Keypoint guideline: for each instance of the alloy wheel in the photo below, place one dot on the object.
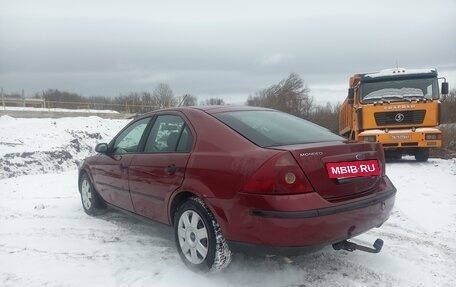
(86, 193)
(193, 237)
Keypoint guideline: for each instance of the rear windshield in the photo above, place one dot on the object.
(272, 128)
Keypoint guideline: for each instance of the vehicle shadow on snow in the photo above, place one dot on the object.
(136, 226)
(322, 268)
(407, 160)
(316, 269)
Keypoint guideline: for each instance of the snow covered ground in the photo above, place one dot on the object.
(47, 240)
(30, 146)
(30, 109)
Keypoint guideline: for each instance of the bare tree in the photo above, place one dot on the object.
(164, 96)
(449, 107)
(189, 100)
(326, 116)
(214, 101)
(290, 95)
(61, 99)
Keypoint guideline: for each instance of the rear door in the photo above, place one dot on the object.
(160, 169)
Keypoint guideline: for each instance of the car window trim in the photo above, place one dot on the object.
(142, 143)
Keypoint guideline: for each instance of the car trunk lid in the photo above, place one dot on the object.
(345, 158)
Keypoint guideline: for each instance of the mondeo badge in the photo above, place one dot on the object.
(399, 117)
(315, 153)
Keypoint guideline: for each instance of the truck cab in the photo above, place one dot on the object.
(396, 107)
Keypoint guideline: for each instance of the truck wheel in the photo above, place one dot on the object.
(199, 240)
(422, 155)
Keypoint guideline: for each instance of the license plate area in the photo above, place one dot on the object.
(348, 169)
(400, 137)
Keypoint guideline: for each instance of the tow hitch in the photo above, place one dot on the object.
(350, 246)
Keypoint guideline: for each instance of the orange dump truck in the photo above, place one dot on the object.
(396, 107)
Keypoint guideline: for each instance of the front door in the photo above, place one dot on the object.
(111, 169)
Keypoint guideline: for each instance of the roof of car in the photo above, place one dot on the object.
(209, 109)
(228, 108)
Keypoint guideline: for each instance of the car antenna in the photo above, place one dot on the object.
(183, 99)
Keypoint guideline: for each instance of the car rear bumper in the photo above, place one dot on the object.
(284, 223)
(327, 210)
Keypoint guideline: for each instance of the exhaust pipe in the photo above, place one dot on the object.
(350, 246)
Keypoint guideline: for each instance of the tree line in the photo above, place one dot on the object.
(135, 102)
(448, 108)
(290, 95)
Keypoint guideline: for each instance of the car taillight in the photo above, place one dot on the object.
(433, 136)
(279, 175)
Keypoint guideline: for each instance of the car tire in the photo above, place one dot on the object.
(92, 203)
(199, 239)
(422, 155)
(397, 156)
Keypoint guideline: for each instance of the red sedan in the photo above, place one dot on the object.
(240, 178)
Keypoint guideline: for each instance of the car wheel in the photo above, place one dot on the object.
(91, 201)
(422, 155)
(397, 155)
(199, 240)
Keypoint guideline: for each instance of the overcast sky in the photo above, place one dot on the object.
(227, 49)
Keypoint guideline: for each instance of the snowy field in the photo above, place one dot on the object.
(30, 109)
(46, 239)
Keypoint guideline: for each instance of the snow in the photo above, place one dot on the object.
(394, 93)
(29, 146)
(46, 239)
(399, 71)
(32, 109)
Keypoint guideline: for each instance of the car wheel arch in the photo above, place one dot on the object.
(180, 197)
(176, 201)
(81, 173)
(85, 171)
(97, 205)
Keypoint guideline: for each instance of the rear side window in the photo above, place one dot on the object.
(169, 134)
(272, 128)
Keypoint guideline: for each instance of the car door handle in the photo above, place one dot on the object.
(171, 169)
(123, 167)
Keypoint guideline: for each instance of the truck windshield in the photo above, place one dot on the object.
(400, 90)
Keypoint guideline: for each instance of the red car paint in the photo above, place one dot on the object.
(220, 168)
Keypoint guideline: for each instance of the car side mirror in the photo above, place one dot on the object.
(102, 148)
(444, 90)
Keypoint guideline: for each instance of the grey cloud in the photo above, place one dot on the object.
(227, 49)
